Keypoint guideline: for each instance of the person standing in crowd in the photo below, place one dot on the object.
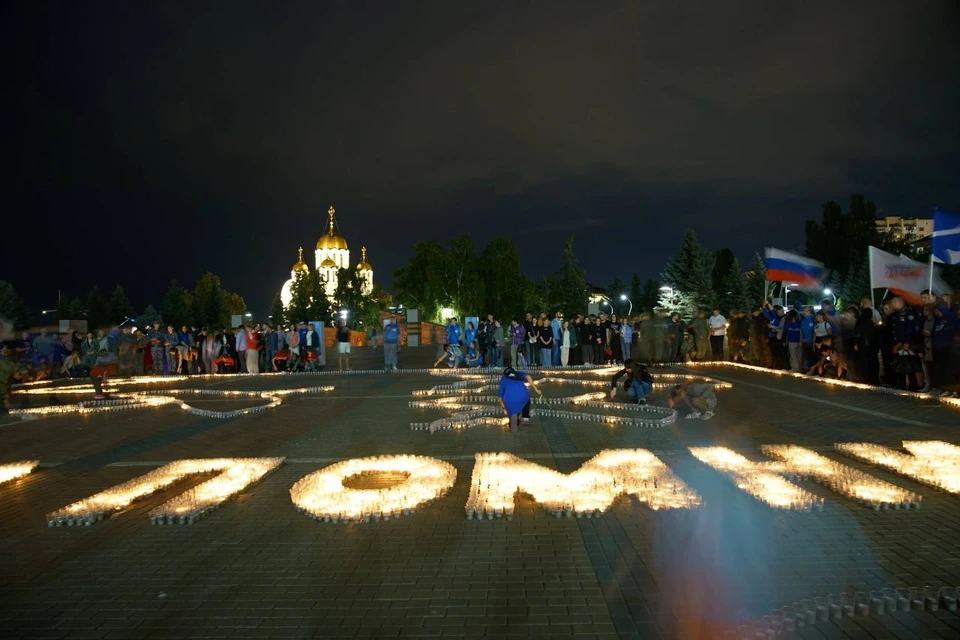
(638, 382)
(391, 344)
(807, 326)
(271, 344)
(139, 350)
(453, 331)
(469, 334)
(545, 338)
(565, 333)
(791, 337)
(518, 337)
(944, 339)
(843, 348)
(484, 331)
(293, 340)
(700, 397)
(253, 350)
(186, 342)
(372, 336)
(343, 345)
(600, 333)
(45, 346)
(515, 397)
(718, 329)
(615, 340)
(555, 327)
(626, 339)
(311, 341)
(530, 335)
(496, 343)
(170, 343)
(210, 351)
(241, 348)
(155, 340)
(866, 345)
(701, 334)
(587, 341)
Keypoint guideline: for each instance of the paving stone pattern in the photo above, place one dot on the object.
(258, 568)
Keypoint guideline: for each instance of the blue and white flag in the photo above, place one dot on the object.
(945, 241)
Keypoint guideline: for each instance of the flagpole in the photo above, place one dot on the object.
(873, 293)
(930, 275)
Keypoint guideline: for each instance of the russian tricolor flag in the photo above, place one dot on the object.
(789, 267)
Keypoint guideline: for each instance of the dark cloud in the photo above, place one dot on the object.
(239, 123)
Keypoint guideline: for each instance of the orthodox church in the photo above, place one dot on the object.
(330, 255)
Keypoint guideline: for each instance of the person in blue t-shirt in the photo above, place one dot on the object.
(807, 324)
(469, 334)
(453, 332)
(515, 397)
(791, 336)
(473, 357)
(391, 345)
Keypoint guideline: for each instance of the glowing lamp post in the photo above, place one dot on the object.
(623, 296)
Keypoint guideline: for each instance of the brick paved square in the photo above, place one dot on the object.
(258, 568)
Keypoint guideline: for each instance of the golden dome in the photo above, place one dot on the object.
(328, 264)
(300, 265)
(364, 265)
(331, 240)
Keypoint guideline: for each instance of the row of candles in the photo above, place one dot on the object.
(235, 474)
(587, 492)
(14, 470)
(836, 606)
(932, 462)
(323, 496)
(496, 479)
(161, 398)
(952, 402)
(765, 481)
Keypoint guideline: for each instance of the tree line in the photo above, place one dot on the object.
(207, 303)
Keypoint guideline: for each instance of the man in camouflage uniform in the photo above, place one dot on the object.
(155, 340)
(701, 335)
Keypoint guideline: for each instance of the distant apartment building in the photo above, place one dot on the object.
(907, 229)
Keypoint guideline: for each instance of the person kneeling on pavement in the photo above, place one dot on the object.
(699, 396)
(638, 382)
(515, 397)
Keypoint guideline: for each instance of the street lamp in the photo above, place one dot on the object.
(248, 314)
(46, 311)
(623, 296)
(828, 292)
(666, 289)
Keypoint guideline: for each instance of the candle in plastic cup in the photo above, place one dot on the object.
(876, 603)
(836, 602)
(847, 604)
(789, 622)
(916, 598)
(889, 600)
(863, 603)
(931, 598)
(948, 596)
(903, 599)
(823, 611)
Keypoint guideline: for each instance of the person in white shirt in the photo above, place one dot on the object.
(718, 329)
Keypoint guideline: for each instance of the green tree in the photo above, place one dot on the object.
(76, 310)
(148, 317)
(736, 297)
(209, 303)
(756, 280)
(690, 273)
(839, 239)
(650, 295)
(178, 307)
(437, 277)
(297, 310)
(857, 283)
(568, 287)
(12, 306)
(723, 260)
(276, 312)
(235, 304)
(98, 309)
(505, 286)
(120, 307)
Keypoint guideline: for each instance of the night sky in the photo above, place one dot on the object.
(152, 141)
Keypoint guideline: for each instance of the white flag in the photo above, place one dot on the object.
(901, 274)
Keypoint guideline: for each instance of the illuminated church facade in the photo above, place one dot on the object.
(331, 254)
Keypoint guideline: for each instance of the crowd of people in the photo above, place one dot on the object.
(902, 346)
